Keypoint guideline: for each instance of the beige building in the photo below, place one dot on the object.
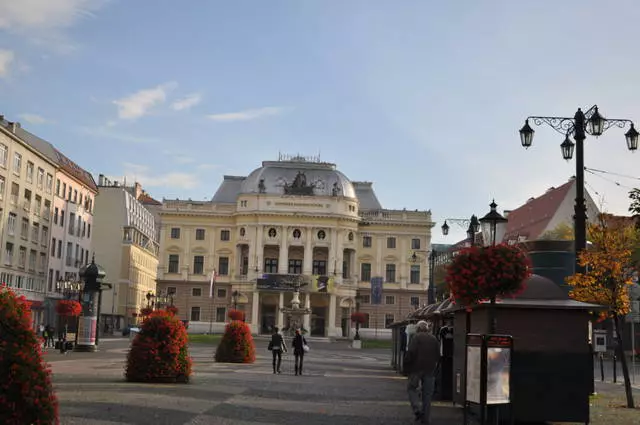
(293, 219)
(26, 197)
(127, 248)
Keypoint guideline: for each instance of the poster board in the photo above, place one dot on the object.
(474, 363)
(498, 369)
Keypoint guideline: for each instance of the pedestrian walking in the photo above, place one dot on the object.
(421, 361)
(50, 336)
(300, 347)
(277, 346)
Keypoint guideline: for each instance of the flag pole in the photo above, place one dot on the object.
(213, 279)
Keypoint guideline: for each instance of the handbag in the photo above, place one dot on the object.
(270, 347)
(305, 348)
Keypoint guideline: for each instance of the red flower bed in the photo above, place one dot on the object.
(172, 310)
(159, 352)
(236, 315)
(358, 317)
(479, 273)
(236, 345)
(26, 392)
(146, 311)
(70, 308)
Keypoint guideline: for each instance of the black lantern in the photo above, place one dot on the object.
(596, 123)
(567, 148)
(494, 226)
(632, 138)
(474, 225)
(526, 134)
(445, 228)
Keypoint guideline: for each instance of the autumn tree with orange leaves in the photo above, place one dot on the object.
(609, 266)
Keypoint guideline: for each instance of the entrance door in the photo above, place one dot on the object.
(268, 321)
(318, 321)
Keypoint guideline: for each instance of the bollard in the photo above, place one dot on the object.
(615, 369)
(601, 367)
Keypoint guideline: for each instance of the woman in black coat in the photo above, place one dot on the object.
(299, 343)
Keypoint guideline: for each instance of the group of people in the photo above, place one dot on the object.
(277, 346)
(47, 333)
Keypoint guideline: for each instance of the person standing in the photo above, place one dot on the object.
(422, 359)
(277, 346)
(299, 344)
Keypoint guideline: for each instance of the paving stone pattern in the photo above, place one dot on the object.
(340, 386)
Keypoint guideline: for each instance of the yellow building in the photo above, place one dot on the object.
(126, 247)
(292, 219)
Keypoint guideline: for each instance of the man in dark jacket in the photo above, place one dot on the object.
(277, 346)
(422, 361)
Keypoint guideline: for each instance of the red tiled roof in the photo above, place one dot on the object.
(532, 218)
(146, 199)
(76, 171)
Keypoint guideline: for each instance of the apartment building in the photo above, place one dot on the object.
(128, 252)
(26, 199)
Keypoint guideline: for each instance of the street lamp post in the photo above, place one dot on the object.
(234, 296)
(582, 123)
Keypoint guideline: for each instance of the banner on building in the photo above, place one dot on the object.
(376, 290)
(281, 282)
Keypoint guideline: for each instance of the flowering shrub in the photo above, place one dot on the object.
(71, 308)
(146, 311)
(358, 317)
(172, 310)
(26, 392)
(236, 315)
(481, 273)
(237, 344)
(159, 352)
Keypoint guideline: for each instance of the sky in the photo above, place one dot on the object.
(423, 98)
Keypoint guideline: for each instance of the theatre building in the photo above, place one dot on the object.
(295, 221)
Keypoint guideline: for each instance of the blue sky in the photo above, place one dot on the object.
(423, 98)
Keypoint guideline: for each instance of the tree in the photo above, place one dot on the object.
(562, 232)
(439, 277)
(634, 207)
(609, 263)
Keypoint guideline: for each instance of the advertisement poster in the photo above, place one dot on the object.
(474, 360)
(87, 330)
(498, 368)
(376, 290)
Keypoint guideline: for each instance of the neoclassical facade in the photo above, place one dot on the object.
(292, 220)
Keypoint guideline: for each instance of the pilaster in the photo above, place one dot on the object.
(280, 315)
(331, 326)
(306, 321)
(283, 261)
(307, 265)
(255, 322)
(378, 271)
(405, 267)
(259, 251)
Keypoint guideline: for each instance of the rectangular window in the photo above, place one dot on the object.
(222, 293)
(221, 314)
(8, 254)
(1, 188)
(199, 234)
(15, 192)
(32, 260)
(59, 249)
(46, 213)
(366, 299)
(171, 290)
(45, 236)
(415, 243)
(414, 276)
(195, 314)
(196, 292)
(389, 300)
(24, 230)
(388, 320)
(22, 257)
(225, 235)
(37, 205)
(64, 190)
(366, 241)
(27, 200)
(391, 243)
(365, 272)
(55, 215)
(49, 183)
(271, 265)
(53, 247)
(88, 230)
(40, 181)
(415, 302)
(390, 273)
(35, 233)
(295, 266)
(72, 223)
(75, 196)
(223, 266)
(17, 163)
(29, 174)
(198, 264)
(61, 218)
(58, 187)
(174, 263)
(175, 233)
(11, 224)
(3, 155)
(320, 267)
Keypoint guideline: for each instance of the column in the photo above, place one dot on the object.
(258, 252)
(280, 315)
(255, 322)
(332, 266)
(331, 327)
(186, 261)
(307, 264)
(306, 321)
(283, 261)
(378, 270)
(405, 267)
(339, 256)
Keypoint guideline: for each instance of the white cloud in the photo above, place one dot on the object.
(187, 102)
(44, 21)
(204, 167)
(6, 59)
(108, 133)
(34, 119)
(143, 175)
(141, 102)
(247, 114)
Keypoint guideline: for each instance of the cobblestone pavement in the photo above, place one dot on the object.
(340, 386)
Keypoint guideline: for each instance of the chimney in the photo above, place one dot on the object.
(137, 190)
(101, 180)
(14, 126)
(506, 213)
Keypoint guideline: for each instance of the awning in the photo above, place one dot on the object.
(432, 309)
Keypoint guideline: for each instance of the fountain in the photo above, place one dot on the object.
(295, 313)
